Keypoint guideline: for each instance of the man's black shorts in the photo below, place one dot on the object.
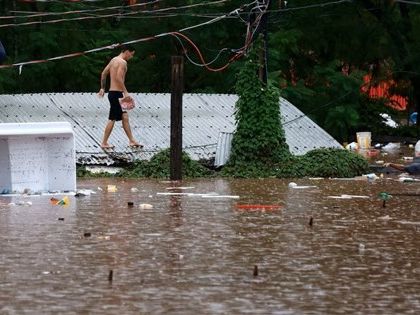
(115, 112)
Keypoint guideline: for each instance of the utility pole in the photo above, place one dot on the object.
(177, 89)
(263, 74)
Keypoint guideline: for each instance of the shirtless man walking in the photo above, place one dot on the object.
(117, 68)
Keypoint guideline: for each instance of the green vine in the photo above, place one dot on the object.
(259, 147)
(259, 141)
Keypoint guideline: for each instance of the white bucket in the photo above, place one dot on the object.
(364, 140)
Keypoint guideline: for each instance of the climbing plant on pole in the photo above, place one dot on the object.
(259, 141)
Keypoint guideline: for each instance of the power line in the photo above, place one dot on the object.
(311, 6)
(110, 15)
(112, 46)
(408, 2)
(77, 11)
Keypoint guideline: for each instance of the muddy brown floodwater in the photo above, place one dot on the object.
(191, 254)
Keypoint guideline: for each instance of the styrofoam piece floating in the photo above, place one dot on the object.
(37, 156)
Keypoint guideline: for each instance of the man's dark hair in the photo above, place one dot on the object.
(127, 47)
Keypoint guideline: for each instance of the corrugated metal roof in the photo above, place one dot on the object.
(205, 117)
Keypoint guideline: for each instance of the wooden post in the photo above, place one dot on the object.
(177, 89)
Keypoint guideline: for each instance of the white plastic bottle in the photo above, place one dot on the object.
(417, 149)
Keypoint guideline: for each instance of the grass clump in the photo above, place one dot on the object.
(159, 167)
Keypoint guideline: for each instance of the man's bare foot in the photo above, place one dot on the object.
(134, 144)
(107, 146)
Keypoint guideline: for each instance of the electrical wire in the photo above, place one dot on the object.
(196, 63)
(112, 46)
(318, 108)
(177, 35)
(77, 11)
(311, 6)
(408, 2)
(110, 15)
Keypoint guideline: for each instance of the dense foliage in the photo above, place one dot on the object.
(259, 135)
(159, 167)
(259, 147)
(324, 163)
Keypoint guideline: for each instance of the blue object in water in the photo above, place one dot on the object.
(413, 118)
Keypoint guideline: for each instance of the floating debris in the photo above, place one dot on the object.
(295, 186)
(84, 192)
(20, 203)
(384, 197)
(311, 221)
(181, 188)
(112, 188)
(104, 237)
(60, 202)
(408, 179)
(255, 273)
(251, 207)
(344, 196)
(220, 196)
(145, 206)
(204, 195)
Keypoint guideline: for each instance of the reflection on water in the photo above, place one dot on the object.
(194, 255)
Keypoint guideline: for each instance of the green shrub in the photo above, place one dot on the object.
(329, 162)
(82, 172)
(159, 167)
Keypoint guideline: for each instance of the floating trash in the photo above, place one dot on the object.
(391, 146)
(220, 196)
(134, 190)
(256, 207)
(181, 188)
(172, 194)
(145, 206)
(408, 179)
(84, 192)
(104, 237)
(384, 197)
(20, 203)
(295, 186)
(60, 202)
(112, 188)
(348, 197)
(352, 146)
